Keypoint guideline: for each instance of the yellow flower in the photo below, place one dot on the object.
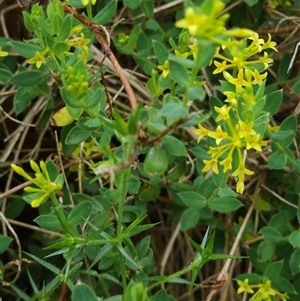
(164, 68)
(244, 287)
(246, 129)
(258, 78)
(270, 44)
(266, 290)
(256, 41)
(223, 112)
(201, 131)
(86, 2)
(265, 60)
(240, 174)
(239, 81)
(227, 162)
(218, 135)
(3, 53)
(182, 55)
(253, 142)
(191, 21)
(221, 66)
(38, 59)
(211, 164)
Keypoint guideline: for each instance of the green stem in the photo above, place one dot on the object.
(61, 217)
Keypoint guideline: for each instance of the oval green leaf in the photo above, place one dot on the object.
(80, 213)
(192, 199)
(225, 205)
(48, 222)
(189, 219)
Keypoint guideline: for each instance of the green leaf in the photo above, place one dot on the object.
(160, 51)
(80, 213)
(279, 221)
(273, 102)
(290, 123)
(25, 50)
(162, 296)
(156, 161)
(284, 285)
(44, 263)
(130, 262)
(296, 87)
(103, 251)
(134, 35)
(105, 14)
(178, 73)
(61, 47)
(48, 221)
(192, 199)
(277, 160)
(4, 243)
(77, 135)
(294, 239)
(297, 165)
(132, 3)
(23, 96)
(189, 218)
(5, 75)
(273, 270)
(174, 146)
(250, 2)
(206, 53)
(172, 108)
(149, 193)
(224, 205)
(265, 251)
(271, 234)
(28, 78)
(196, 93)
(295, 262)
(14, 208)
(83, 292)
(66, 27)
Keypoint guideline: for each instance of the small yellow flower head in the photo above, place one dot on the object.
(218, 135)
(211, 164)
(240, 174)
(254, 142)
(246, 129)
(244, 287)
(38, 59)
(87, 2)
(164, 68)
(201, 131)
(190, 21)
(266, 290)
(270, 44)
(223, 113)
(227, 163)
(182, 55)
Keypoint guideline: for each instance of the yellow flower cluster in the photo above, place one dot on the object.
(264, 292)
(235, 134)
(44, 186)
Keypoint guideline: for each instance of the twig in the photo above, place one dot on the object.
(171, 127)
(169, 249)
(19, 261)
(98, 30)
(279, 197)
